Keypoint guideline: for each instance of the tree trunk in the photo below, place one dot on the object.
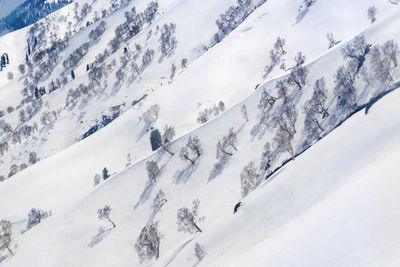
(113, 224)
(168, 151)
(197, 228)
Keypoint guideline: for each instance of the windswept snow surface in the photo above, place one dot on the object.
(335, 205)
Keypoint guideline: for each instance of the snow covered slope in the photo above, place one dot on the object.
(324, 208)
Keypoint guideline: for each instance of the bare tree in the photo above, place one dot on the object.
(192, 150)
(279, 46)
(249, 179)
(298, 74)
(10, 75)
(372, 11)
(317, 103)
(152, 171)
(148, 243)
(227, 145)
(21, 68)
(274, 58)
(391, 51)
(36, 216)
(159, 201)
(184, 63)
(243, 109)
(344, 89)
(266, 100)
(355, 53)
(283, 140)
(187, 219)
(151, 115)
(6, 235)
(169, 133)
(282, 90)
(147, 57)
(266, 158)
(199, 251)
(97, 179)
(331, 39)
(316, 110)
(104, 213)
(381, 64)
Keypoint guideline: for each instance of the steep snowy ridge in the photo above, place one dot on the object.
(334, 205)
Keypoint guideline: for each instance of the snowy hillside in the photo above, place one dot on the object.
(220, 133)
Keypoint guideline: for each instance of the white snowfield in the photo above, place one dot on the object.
(336, 204)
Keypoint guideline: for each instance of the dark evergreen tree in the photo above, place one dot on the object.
(72, 75)
(105, 173)
(155, 139)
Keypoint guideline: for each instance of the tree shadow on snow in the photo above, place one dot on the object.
(184, 175)
(145, 194)
(217, 170)
(101, 234)
(177, 251)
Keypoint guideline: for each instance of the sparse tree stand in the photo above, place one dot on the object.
(104, 213)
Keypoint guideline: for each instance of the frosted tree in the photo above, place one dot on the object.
(6, 235)
(152, 171)
(274, 58)
(10, 75)
(159, 201)
(331, 39)
(227, 145)
(168, 135)
(243, 110)
(192, 150)
(148, 243)
(151, 115)
(147, 57)
(173, 71)
(104, 213)
(391, 51)
(184, 63)
(344, 89)
(97, 179)
(355, 53)
(279, 46)
(21, 68)
(267, 101)
(199, 251)
(316, 110)
(381, 64)
(249, 179)
(187, 220)
(372, 12)
(266, 158)
(284, 139)
(36, 216)
(298, 74)
(283, 90)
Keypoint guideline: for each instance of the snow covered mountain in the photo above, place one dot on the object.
(209, 133)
